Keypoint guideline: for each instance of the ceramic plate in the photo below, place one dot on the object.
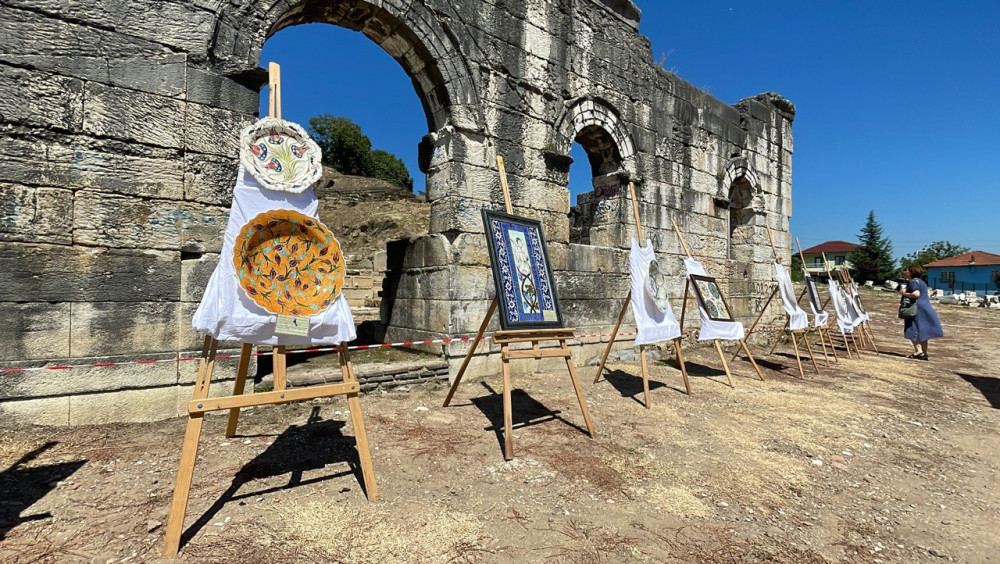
(656, 286)
(280, 155)
(288, 263)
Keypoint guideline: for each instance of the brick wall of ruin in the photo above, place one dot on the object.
(118, 129)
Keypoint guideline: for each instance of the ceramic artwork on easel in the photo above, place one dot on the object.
(714, 330)
(277, 283)
(523, 280)
(796, 320)
(650, 303)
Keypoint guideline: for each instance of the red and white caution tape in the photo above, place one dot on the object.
(194, 355)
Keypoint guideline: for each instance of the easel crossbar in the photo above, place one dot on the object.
(266, 398)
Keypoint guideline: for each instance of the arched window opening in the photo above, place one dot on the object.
(369, 114)
(590, 222)
(741, 220)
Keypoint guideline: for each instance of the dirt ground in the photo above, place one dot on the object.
(881, 459)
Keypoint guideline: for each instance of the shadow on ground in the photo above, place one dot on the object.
(299, 449)
(21, 487)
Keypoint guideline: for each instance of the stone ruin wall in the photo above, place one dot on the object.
(118, 127)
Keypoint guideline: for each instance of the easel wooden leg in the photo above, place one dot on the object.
(829, 338)
(871, 337)
(645, 375)
(614, 335)
(746, 349)
(826, 357)
(238, 387)
(189, 452)
(847, 345)
(809, 349)
(358, 422)
(722, 356)
(578, 389)
(798, 360)
(472, 350)
(755, 321)
(280, 368)
(680, 361)
(508, 416)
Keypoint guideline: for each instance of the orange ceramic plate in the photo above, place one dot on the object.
(288, 263)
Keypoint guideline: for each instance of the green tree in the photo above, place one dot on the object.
(386, 166)
(348, 150)
(344, 146)
(935, 251)
(796, 269)
(873, 260)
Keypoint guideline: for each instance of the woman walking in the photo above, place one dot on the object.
(925, 325)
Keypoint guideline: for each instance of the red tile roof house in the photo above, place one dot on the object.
(836, 255)
(976, 271)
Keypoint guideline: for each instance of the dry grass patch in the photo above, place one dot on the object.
(374, 533)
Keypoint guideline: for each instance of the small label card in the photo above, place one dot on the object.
(549, 315)
(291, 325)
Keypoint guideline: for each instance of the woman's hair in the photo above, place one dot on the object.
(916, 271)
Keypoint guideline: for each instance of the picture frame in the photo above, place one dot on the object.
(813, 293)
(711, 298)
(522, 272)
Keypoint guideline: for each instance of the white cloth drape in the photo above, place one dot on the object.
(845, 320)
(797, 317)
(852, 291)
(821, 317)
(725, 330)
(227, 314)
(651, 324)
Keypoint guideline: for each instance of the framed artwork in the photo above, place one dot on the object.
(813, 294)
(522, 273)
(711, 297)
(857, 303)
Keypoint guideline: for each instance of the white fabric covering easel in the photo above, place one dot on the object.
(228, 314)
(710, 328)
(652, 324)
(797, 317)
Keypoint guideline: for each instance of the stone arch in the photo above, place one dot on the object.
(741, 192)
(595, 124)
(598, 128)
(411, 34)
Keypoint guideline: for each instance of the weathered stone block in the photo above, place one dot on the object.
(41, 99)
(44, 383)
(73, 49)
(52, 273)
(41, 411)
(129, 115)
(124, 406)
(209, 179)
(35, 215)
(111, 328)
(35, 331)
(195, 273)
(213, 131)
(122, 221)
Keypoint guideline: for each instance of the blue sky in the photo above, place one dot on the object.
(898, 103)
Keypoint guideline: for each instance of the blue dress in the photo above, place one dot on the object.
(926, 325)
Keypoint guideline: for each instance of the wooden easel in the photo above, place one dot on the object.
(866, 331)
(642, 348)
(822, 330)
(507, 338)
(200, 402)
(718, 347)
(848, 338)
(786, 330)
